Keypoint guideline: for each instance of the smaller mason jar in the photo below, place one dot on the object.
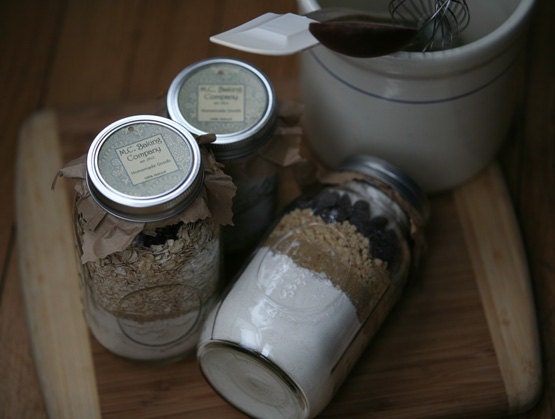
(235, 101)
(318, 287)
(146, 301)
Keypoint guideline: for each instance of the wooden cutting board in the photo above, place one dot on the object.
(462, 341)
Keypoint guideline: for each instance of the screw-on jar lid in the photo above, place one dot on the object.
(392, 176)
(144, 168)
(226, 97)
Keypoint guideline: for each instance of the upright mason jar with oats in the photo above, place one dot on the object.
(286, 334)
(235, 101)
(149, 275)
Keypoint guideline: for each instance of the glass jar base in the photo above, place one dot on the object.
(251, 382)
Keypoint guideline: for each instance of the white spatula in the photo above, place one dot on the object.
(342, 30)
(270, 34)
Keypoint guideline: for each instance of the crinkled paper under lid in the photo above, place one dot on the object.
(281, 150)
(105, 233)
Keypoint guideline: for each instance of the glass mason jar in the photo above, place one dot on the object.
(147, 300)
(288, 331)
(235, 101)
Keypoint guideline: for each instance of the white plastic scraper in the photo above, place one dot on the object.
(270, 34)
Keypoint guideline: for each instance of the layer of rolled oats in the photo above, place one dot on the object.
(164, 280)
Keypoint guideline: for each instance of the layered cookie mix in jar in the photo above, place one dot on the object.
(149, 205)
(316, 290)
(256, 137)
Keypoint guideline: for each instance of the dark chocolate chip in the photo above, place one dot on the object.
(361, 211)
(384, 245)
(162, 234)
(344, 208)
(329, 215)
(326, 199)
(379, 221)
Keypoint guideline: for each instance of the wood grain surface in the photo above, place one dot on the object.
(463, 340)
(62, 55)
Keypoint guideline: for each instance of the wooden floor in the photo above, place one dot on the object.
(65, 54)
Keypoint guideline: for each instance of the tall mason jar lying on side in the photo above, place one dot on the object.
(150, 271)
(235, 101)
(316, 290)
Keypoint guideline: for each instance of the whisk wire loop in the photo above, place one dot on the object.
(439, 21)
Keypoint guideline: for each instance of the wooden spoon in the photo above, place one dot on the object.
(363, 39)
(359, 34)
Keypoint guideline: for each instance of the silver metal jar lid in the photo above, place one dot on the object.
(144, 168)
(226, 97)
(391, 175)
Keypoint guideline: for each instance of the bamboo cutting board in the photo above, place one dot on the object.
(463, 340)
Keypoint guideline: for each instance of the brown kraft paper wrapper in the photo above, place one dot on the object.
(282, 150)
(105, 233)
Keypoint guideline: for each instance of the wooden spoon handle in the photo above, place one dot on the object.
(59, 335)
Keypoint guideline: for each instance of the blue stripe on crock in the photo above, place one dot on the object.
(410, 102)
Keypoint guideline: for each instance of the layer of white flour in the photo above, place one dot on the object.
(291, 315)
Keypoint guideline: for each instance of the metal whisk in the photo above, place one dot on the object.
(440, 22)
